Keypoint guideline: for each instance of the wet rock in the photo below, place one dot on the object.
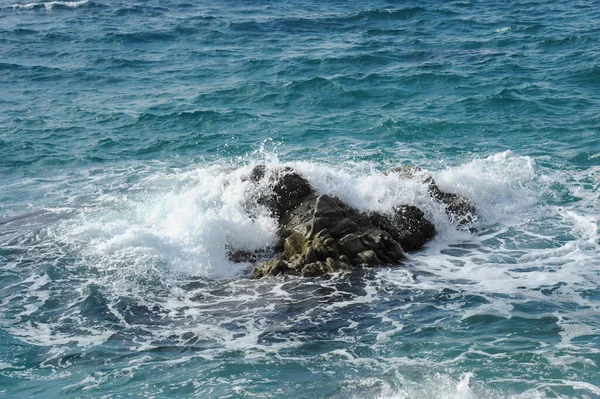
(369, 257)
(287, 188)
(324, 235)
(272, 267)
(407, 225)
(321, 234)
(240, 255)
(352, 243)
(257, 173)
(458, 207)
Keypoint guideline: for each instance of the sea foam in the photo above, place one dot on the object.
(49, 5)
(187, 220)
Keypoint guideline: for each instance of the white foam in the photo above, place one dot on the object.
(385, 336)
(8, 366)
(503, 30)
(89, 382)
(501, 186)
(193, 215)
(44, 334)
(584, 226)
(183, 220)
(49, 5)
(186, 226)
(441, 385)
(523, 244)
(583, 386)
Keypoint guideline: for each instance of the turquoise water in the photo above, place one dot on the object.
(126, 128)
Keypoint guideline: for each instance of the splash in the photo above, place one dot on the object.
(185, 220)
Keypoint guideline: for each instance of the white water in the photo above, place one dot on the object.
(49, 5)
(184, 221)
(171, 225)
(466, 386)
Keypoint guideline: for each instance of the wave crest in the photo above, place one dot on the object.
(49, 5)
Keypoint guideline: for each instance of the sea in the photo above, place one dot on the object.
(127, 130)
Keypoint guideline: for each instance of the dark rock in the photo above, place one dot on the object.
(272, 267)
(324, 235)
(457, 206)
(321, 234)
(239, 256)
(287, 188)
(369, 257)
(407, 225)
(352, 243)
(257, 173)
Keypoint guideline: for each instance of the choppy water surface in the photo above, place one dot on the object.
(126, 130)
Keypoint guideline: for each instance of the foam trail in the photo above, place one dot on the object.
(584, 226)
(442, 386)
(49, 5)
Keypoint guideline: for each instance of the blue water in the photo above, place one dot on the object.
(126, 130)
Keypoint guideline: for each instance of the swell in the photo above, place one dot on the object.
(337, 22)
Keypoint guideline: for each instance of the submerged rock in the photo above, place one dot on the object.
(321, 234)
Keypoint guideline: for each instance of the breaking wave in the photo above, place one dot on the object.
(142, 265)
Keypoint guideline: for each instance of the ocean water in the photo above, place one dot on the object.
(126, 128)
